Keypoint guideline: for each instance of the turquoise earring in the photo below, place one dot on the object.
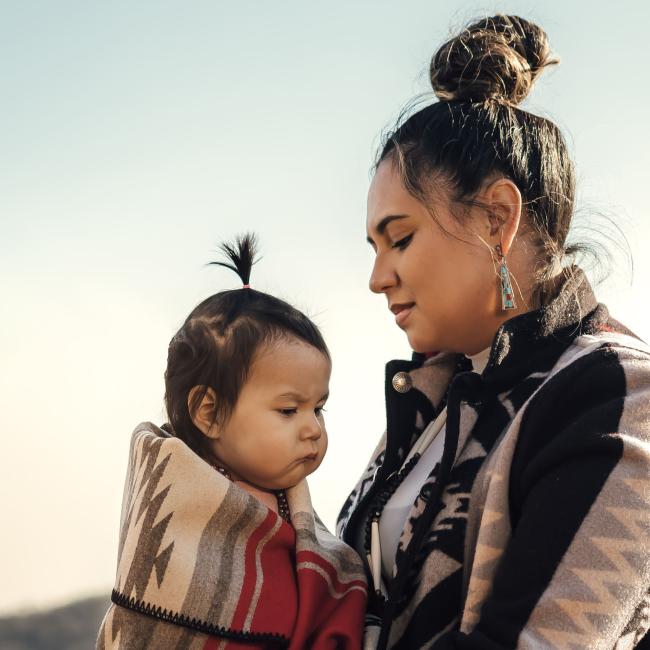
(507, 295)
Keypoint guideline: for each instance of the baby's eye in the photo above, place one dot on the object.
(319, 410)
(288, 411)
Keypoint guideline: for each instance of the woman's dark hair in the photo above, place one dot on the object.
(218, 342)
(477, 133)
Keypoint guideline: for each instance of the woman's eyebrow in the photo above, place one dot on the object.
(383, 224)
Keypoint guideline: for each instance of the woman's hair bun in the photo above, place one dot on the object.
(494, 58)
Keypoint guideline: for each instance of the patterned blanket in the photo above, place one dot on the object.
(202, 564)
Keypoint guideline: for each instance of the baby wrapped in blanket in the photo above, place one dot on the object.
(219, 544)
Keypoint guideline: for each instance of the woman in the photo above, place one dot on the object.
(508, 504)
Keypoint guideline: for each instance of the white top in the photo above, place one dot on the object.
(480, 360)
(394, 517)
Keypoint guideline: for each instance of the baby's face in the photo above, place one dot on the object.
(276, 435)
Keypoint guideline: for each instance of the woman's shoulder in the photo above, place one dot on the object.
(610, 353)
(609, 365)
(595, 400)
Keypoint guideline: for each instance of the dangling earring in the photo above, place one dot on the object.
(507, 295)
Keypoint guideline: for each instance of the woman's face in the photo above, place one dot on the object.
(442, 288)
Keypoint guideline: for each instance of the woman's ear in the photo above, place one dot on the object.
(503, 200)
(204, 412)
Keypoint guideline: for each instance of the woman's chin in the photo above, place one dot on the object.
(420, 344)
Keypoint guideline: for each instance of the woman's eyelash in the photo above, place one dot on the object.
(403, 243)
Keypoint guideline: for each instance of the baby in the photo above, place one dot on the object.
(219, 544)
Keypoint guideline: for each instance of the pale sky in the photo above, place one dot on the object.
(137, 135)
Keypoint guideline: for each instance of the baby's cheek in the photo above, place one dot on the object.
(324, 442)
(272, 454)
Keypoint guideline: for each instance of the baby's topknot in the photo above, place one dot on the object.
(496, 58)
(218, 343)
(241, 255)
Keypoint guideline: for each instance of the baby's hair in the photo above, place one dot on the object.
(241, 255)
(218, 343)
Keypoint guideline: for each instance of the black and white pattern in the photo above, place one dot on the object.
(534, 530)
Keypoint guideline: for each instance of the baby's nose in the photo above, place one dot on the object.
(312, 429)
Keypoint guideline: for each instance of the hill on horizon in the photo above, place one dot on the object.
(70, 627)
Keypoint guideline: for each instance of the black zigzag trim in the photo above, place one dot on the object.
(277, 640)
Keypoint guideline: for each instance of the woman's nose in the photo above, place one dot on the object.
(382, 277)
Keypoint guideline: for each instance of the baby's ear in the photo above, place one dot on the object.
(202, 405)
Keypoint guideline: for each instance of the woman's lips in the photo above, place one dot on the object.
(402, 312)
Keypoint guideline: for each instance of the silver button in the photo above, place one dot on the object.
(402, 382)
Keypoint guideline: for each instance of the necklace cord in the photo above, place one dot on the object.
(392, 483)
(280, 495)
